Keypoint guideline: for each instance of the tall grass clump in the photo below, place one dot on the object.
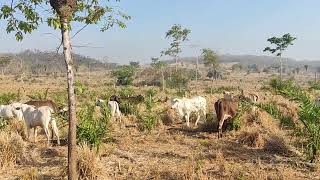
(11, 149)
(89, 165)
(92, 129)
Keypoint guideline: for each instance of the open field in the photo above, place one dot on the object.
(261, 149)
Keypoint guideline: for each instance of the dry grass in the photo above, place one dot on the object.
(89, 166)
(174, 152)
(277, 145)
(31, 174)
(12, 148)
(252, 138)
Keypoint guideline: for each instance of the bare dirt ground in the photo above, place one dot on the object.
(175, 151)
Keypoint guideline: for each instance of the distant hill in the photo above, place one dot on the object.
(262, 61)
(48, 62)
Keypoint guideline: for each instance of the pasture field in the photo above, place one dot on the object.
(155, 143)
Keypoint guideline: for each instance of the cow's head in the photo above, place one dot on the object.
(99, 102)
(227, 95)
(174, 103)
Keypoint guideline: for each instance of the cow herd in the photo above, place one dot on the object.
(41, 113)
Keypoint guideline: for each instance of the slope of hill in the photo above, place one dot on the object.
(38, 62)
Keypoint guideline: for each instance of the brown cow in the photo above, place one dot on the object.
(225, 108)
(40, 103)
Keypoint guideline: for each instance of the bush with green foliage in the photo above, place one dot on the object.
(7, 98)
(92, 129)
(124, 75)
(149, 121)
(149, 100)
(180, 80)
(39, 95)
(309, 113)
(126, 92)
(80, 88)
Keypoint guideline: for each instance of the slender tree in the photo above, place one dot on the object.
(25, 16)
(210, 59)
(306, 67)
(4, 62)
(178, 34)
(159, 66)
(281, 44)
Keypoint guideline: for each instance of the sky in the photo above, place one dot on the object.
(236, 27)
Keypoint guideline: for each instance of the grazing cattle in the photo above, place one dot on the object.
(225, 108)
(250, 97)
(228, 95)
(113, 106)
(38, 117)
(186, 106)
(8, 112)
(114, 98)
(131, 99)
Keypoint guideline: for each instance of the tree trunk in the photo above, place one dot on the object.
(197, 74)
(176, 63)
(72, 146)
(163, 83)
(280, 68)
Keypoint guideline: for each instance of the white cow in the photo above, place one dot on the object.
(113, 106)
(35, 117)
(8, 111)
(186, 106)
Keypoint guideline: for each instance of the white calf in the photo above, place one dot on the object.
(186, 106)
(113, 106)
(38, 117)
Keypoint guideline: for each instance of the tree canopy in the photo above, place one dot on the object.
(24, 16)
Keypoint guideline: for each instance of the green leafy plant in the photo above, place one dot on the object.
(149, 121)
(92, 129)
(7, 98)
(40, 95)
(124, 75)
(80, 88)
(309, 114)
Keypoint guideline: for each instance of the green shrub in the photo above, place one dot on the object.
(39, 95)
(92, 129)
(124, 75)
(80, 88)
(8, 98)
(126, 92)
(149, 122)
(314, 85)
(128, 108)
(309, 114)
(149, 100)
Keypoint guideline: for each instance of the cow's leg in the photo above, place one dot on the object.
(47, 134)
(55, 130)
(187, 116)
(28, 133)
(220, 126)
(198, 118)
(35, 134)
